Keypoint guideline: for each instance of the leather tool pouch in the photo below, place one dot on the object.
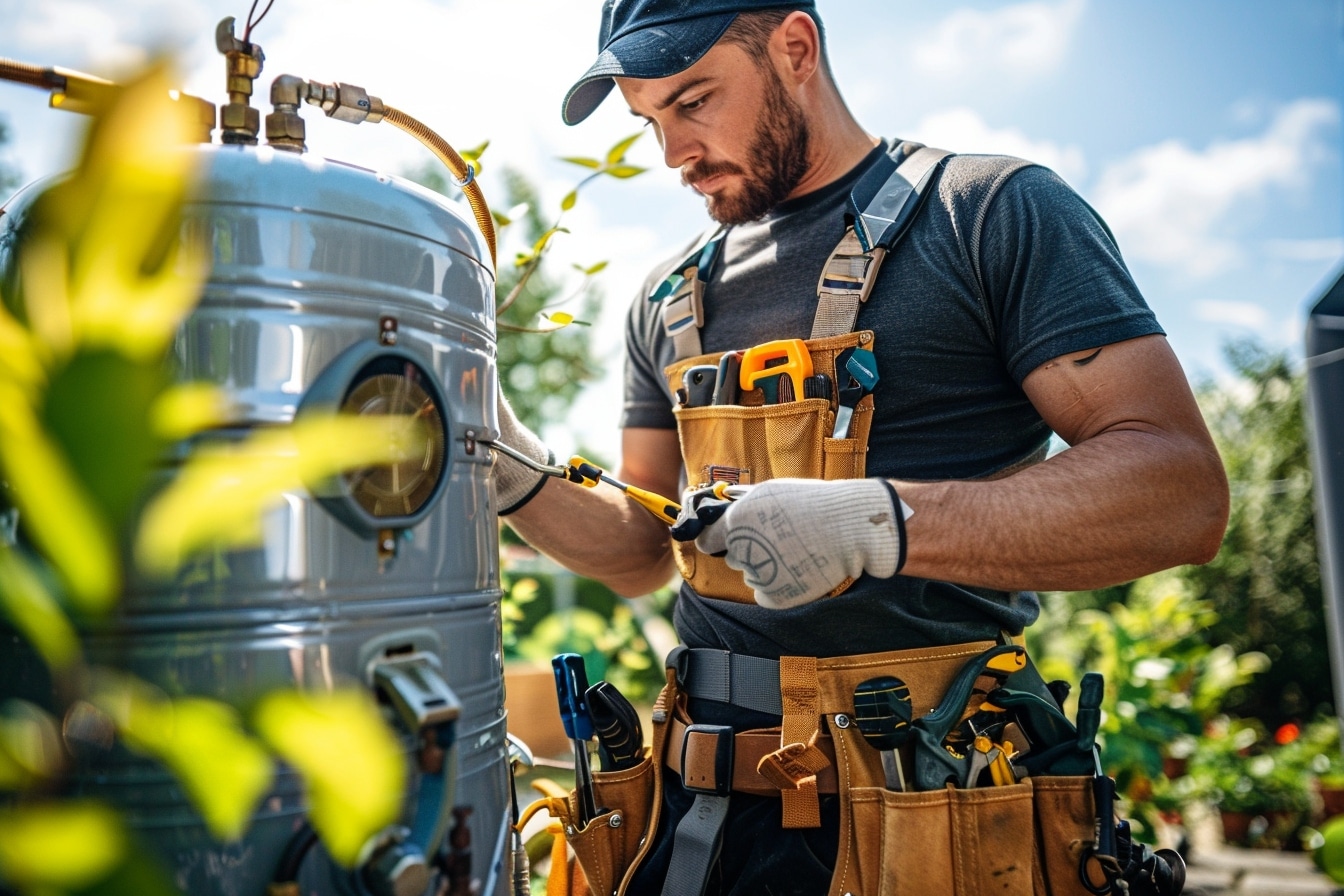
(1024, 839)
(608, 849)
(751, 443)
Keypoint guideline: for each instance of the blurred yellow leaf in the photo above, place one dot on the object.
(223, 771)
(568, 202)
(349, 758)
(59, 847)
(20, 361)
(105, 267)
(184, 410)
(33, 610)
(55, 508)
(545, 238)
(591, 270)
(30, 745)
(582, 162)
(220, 494)
(624, 171)
(501, 219)
(560, 319)
(617, 152)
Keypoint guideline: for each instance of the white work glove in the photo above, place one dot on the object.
(796, 540)
(516, 484)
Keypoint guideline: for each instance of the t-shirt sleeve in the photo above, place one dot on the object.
(1053, 275)
(647, 404)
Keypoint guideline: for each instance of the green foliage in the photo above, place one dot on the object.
(548, 611)
(1265, 583)
(1164, 681)
(1239, 768)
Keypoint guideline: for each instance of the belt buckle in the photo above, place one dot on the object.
(707, 759)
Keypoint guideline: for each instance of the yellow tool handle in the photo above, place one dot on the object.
(659, 506)
(586, 473)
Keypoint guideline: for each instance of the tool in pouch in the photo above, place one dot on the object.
(571, 690)
(1114, 864)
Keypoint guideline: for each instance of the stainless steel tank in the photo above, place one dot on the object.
(1325, 389)
(330, 285)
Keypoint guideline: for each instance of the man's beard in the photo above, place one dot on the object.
(778, 154)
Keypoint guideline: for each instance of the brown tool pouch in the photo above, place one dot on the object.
(607, 845)
(1024, 839)
(609, 848)
(755, 442)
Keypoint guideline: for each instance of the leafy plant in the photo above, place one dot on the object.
(1164, 681)
(1240, 769)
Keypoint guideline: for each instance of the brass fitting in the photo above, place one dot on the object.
(238, 121)
(346, 102)
(284, 127)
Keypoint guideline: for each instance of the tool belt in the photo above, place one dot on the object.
(754, 442)
(1036, 837)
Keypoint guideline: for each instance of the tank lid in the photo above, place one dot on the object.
(263, 176)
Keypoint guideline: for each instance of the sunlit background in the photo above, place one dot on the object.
(1206, 132)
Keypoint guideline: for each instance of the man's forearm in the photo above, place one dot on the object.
(1121, 505)
(598, 533)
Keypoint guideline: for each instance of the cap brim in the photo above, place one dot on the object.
(657, 52)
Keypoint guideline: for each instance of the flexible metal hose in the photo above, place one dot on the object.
(456, 165)
(32, 75)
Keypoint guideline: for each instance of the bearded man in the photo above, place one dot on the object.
(1004, 313)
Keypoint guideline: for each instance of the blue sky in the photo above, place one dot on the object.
(1206, 132)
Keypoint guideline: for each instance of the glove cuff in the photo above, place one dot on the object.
(516, 484)
(898, 506)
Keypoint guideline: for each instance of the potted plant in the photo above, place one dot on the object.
(1316, 749)
(1259, 788)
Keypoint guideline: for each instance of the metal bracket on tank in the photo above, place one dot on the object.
(411, 683)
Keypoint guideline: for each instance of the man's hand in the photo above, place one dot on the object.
(516, 484)
(796, 540)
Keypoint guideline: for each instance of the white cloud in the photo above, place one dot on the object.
(1238, 314)
(963, 130)
(1307, 250)
(1178, 207)
(1024, 39)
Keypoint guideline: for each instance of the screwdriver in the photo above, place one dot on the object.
(583, 472)
(571, 688)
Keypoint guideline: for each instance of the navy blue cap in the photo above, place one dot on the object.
(656, 39)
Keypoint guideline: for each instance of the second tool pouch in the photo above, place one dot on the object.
(756, 442)
(1022, 839)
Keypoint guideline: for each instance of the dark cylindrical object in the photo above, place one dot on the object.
(1325, 387)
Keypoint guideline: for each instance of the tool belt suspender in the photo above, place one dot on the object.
(882, 206)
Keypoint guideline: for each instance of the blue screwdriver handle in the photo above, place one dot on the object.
(571, 689)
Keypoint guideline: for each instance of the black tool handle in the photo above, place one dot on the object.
(620, 736)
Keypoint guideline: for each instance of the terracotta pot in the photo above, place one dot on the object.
(1236, 826)
(1174, 766)
(1332, 800)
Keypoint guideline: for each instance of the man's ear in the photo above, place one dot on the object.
(796, 44)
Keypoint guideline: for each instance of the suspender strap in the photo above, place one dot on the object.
(683, 294)
(881, 207)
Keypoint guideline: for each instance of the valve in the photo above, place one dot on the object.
(239, 123)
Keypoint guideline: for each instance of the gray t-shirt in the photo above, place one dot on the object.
(958, 328)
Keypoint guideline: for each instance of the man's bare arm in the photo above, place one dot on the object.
(1140, 489)
(600, 533)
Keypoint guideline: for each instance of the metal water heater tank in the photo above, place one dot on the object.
(331, 287)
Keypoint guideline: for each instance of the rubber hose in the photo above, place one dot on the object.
(456, 165)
